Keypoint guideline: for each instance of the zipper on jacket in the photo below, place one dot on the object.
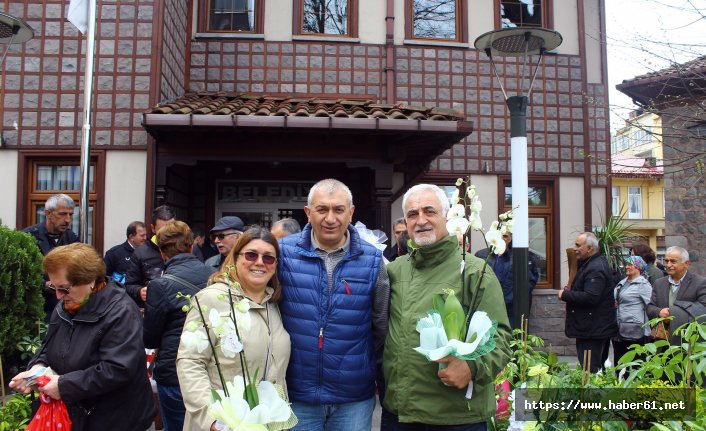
(321, 338)
(348, 289)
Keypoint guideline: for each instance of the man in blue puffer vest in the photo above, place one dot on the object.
(335, 296)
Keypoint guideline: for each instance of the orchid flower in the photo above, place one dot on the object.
(195, 340)
(475, 221)
(456, 211)
(457, 225)
(495, 240)
(236, 414)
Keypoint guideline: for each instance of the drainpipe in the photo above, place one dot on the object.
(390, 53)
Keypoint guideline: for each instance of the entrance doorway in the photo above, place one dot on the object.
(262, 203)
(263, 214)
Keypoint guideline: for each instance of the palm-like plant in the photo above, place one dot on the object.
(611, 234)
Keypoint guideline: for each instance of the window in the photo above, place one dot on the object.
(615, 201)
(234, 16)
(613, 145)
(642, 136)
(48, 178)
(326, 17)
(523, 13)
(541, 245)
(435, 19)
(634, 202)
(623, 142)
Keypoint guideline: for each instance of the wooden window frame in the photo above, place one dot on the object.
(461, 23)
(550, 213)
(547, 14)
(298, 21)
(204, 8)
(28, 163)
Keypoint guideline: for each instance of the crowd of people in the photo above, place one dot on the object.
(331, 319)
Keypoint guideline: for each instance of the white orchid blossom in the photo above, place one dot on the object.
(471, 191)
(242, 315)
(231, 345)
(195, 340)
(475, 221)
(476, 205)
(495, 240)
(234, 412)
(458, 225)
(455, 198)
(456, 211)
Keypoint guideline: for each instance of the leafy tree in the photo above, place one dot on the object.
(21, 303)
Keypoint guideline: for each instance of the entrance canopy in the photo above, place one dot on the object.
(281, 128)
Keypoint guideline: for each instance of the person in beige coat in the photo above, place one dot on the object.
(251, 263)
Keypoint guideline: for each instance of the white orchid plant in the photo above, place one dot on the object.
(243, 404)
(447, 329)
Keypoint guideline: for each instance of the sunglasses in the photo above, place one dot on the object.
(223, 235)
(64, 290)
(251, 256)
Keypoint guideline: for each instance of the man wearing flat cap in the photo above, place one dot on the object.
(224, 235)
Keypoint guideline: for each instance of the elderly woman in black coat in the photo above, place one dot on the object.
(93, 347)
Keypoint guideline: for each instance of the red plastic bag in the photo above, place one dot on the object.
(52, 415)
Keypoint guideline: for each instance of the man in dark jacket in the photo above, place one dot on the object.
(502, 266)
(53, 232)
(164, 317)
(590, 307)
(146, 263)
(335, 295)
(224, 235)
(117, 259)
(392, 251)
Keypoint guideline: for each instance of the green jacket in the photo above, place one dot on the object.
(414, 391)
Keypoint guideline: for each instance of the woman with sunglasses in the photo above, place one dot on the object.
(248, 273)
(93, 347)
(632, 294)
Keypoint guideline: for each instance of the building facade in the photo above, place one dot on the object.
(238, 107)
(637, 173)
(677, 94)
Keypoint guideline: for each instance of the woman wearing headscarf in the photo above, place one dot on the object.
(632, 294)
(93, 346)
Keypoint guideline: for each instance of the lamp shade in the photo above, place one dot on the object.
(14, 30)
(515, 41)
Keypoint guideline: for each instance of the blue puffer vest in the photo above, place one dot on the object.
(333, 353)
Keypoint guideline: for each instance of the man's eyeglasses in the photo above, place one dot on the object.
(251, 256)
(64, 290)
(220, 236)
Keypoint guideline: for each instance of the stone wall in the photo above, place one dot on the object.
(684, 183)
(547, 321)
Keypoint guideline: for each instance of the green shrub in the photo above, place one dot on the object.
(15, 414)
(21, 300)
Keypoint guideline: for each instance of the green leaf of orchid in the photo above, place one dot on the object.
(215, 396)
(451, 326)
(438, 303)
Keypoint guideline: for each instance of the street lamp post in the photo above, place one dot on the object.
(513, 42)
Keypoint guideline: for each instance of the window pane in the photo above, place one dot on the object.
(41, 218)
(634, 202)
(325, 16)
(61, 178)
(232, 15)
(615, 203)
(538, 245)
(536, 196)
(434, 18)
(521, 13)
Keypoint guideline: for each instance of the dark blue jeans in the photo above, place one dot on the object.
(390, 422)
(171, 406)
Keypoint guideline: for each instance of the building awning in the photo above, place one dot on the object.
(674, 85)
(636, 167)
(408, 136)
